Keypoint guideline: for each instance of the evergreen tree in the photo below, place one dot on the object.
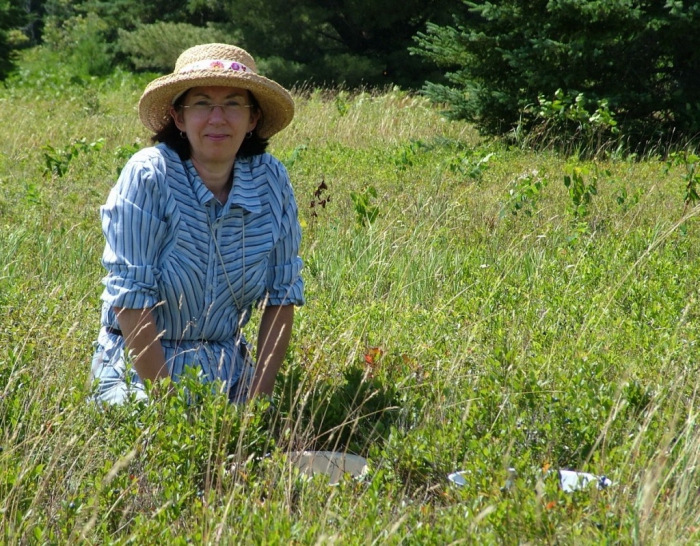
(12, 16)
(641, 58)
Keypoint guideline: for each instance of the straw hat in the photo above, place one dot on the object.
(216, 64)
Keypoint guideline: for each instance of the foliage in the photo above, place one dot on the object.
(472, 163)
(157, 46)
(81, 41)
(58, 161)
(353, 42)
(691, 175)
(623, 58)
(581, 192)
(350, 415)
(567, 123)
(12, 17)
(128, 14)
(524, 194)
(444, 337)
(366, 211)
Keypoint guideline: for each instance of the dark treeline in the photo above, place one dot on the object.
(326, 42)
(581, 71)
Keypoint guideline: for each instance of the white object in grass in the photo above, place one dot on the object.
(576, 481)
(458, 478)
(331, 463)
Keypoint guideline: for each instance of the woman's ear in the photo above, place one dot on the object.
(255, 116)
(178, 118)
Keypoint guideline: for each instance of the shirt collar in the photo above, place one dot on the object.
(244, 193)
(201, 192)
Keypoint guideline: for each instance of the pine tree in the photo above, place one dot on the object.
(12, 16)
(639, 58)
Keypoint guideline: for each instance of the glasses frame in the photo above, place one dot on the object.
(208, 109)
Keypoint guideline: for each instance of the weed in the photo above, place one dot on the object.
(124, 152)
(342, 103)
(349, 415)
(319, 200)
(691, 175)
(57, 161)
(590, 131)
(471, 164)
(294, 156)
(365, 211)
(581, 192)
(524, 195)
(407, 154)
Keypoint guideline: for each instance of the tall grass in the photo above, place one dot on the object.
(453, 332)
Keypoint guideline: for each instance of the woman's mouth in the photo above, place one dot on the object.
(217, 136)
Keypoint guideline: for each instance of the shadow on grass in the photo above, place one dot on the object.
(348, 415)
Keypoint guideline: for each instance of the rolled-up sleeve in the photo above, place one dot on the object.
(285, 285)
(134, 223)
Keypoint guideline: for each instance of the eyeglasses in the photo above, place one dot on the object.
(205, 108)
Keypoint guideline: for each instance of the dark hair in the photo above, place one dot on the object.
(171, 135)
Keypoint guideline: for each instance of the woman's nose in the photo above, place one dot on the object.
(217, 111)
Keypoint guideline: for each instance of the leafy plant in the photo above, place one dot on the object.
(57, 161)
(472, 164)
(524, 194)
(295, 155)
(407, 154)
(567, 122)
(691, 175)
(581, 192)
(81, 40)
(351, 414)
(124, 151)
(365, 211)
(342, 104)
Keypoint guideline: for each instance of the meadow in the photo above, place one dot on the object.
(471, 305)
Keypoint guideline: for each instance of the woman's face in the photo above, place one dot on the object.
(216, 132)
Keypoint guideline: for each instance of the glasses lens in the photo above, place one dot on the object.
(206, 108)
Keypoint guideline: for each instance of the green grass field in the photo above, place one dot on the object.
(466, 311)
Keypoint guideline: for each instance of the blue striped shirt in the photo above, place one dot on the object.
(199, 265)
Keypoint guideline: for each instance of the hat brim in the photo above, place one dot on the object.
(275, 101)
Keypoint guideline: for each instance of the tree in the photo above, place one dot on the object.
(639, 58)
(12, 16)
(332, 41)
(350, 42)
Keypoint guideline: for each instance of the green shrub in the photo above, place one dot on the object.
(348, 415)
(158, 45)
(80, 41)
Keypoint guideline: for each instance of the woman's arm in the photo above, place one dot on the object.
(143, 341)
(273, 340)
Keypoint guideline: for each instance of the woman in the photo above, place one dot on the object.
(200, 228)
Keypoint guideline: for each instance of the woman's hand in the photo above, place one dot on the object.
(273, 340)
(143, 341)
